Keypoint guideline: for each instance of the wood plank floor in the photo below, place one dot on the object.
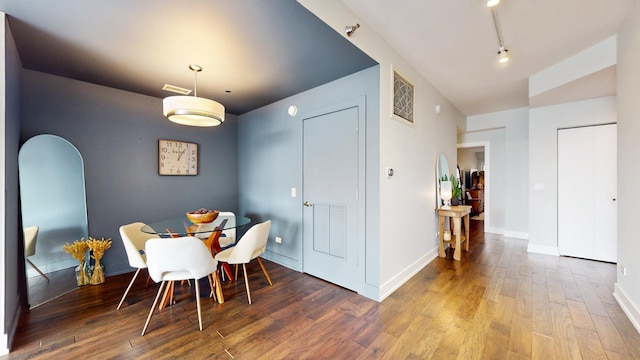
(499, 302)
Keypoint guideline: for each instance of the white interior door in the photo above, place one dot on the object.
(330, 227)
(605, 180)
(587, 178)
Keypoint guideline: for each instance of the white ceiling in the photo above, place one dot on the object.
(453, 43)
(263, 51)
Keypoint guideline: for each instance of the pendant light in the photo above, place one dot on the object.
(193, 110)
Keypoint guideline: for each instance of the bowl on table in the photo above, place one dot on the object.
(202, 216)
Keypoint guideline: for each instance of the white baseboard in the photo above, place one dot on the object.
(543, 249)
(4, 344)
(282, 260)
(627, 306)
(494, 230)
(516, 235)
(394, 283)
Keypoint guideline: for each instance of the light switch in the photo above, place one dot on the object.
(293, 192)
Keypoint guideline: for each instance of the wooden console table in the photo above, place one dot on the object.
(458, 214)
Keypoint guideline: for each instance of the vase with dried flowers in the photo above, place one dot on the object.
(97, 248)
(79, 250)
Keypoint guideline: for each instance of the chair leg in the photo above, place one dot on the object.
(36, 269)
(264, 270)
(128, 288)
(212, 286)
(236, 271)
(218, 285)
(246, 282)
(198, 304)
(155, 302)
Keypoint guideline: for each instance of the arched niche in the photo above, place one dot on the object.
(52, 196)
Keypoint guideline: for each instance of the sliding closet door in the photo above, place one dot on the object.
(587, 179)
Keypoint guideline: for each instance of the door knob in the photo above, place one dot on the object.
(306, 203)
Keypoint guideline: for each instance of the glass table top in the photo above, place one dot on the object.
(181, 226)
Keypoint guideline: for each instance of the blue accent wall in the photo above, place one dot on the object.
(270, 164)
(13, 273)
(117, 135)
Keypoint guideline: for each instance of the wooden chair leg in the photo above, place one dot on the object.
(165, 298)
(264, 270)
(36, 269)
(246, 282)
(236, 271)
(128, 288)
(212, 286)
(198, 304)
(155, 302)
(216, 280)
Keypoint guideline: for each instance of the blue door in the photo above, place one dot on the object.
(331, 205)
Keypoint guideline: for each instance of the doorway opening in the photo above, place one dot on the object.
(474, 167)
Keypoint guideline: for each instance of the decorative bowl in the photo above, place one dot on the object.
(202, 216)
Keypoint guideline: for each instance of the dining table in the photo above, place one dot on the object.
(209, 233)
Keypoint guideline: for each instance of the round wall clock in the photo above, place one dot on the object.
(177, 157)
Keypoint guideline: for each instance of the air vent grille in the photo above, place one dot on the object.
(176, 89)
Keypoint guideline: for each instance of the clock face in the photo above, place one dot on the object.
(177, 157)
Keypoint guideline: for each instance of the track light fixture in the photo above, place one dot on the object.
(492, 3)
(503, 52)
(351, 29)
(503, 55)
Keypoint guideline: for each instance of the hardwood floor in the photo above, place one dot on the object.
(60, 282)
(499, 302)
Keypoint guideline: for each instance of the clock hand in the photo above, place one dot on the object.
(181, 153)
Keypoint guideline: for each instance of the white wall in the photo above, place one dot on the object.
(507, 133)
(407, 200)
(468, 158)
(544, 123)
(627, 290)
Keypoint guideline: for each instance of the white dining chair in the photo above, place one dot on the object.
(133, 240)
(30, 238)
(174, 259)
(252, 244)
(228, 237)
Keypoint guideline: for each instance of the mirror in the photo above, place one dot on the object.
(52, 197)
(442, 168)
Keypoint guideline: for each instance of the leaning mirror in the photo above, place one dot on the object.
(442, 169)
(52, 197)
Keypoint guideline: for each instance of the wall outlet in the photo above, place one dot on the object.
(278, 240)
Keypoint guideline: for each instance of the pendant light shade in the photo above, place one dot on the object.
(193, 110)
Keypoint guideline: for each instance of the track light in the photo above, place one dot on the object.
(503, 52)
(492, 3)
(351, 29)
(503, 55)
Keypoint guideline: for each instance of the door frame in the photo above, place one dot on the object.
(487, 178)
(360, 104)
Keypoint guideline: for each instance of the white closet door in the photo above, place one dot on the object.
(587, 177)
(605, 193)
(575, 192)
